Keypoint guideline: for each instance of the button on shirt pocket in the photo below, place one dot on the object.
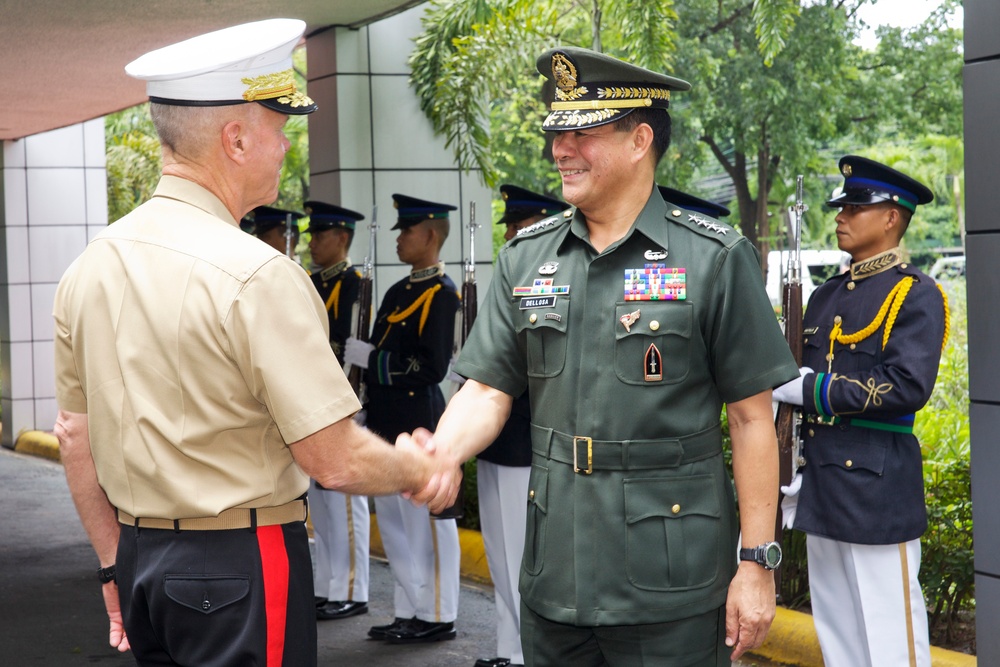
(674, 530)
(545, 332)
(668, 326)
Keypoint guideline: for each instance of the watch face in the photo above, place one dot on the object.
(772, 555)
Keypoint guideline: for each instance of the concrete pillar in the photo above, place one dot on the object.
(982, 165)
(369, 140)
(53, 192)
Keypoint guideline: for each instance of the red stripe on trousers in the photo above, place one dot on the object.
(274, 566)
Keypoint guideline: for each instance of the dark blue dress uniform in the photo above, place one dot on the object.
(338, 285)
(863, 478)
(873, 337)
(414, 335)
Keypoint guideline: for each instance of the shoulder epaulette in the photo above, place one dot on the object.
(704, 225)
(552, 222)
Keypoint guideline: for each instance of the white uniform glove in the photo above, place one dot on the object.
(356, 352)
(790, 501)
(790, 392)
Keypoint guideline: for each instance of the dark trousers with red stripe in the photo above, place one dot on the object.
(218, 597)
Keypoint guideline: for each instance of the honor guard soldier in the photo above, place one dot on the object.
(503, 467)
(341, 523)
(271, 226)
(413, 338)
(626, 318)
(188, 426)
(872, 341)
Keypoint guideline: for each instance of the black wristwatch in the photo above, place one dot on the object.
(106, 574)
(766, 555)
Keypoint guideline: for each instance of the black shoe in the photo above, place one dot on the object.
(337, 609)
(416, 631)
(495, 662)
(320, 601)
(382, 631)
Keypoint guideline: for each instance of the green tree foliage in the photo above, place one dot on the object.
(133, 159)
(779, 89)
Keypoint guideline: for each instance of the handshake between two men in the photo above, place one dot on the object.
(349, 458)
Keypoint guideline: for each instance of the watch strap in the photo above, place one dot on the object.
(106, 575)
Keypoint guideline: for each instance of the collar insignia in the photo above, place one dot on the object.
(877, 264)
(335, 270)
(427, 274)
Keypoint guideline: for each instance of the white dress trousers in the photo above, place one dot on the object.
(503, 493)
(867, 603)
(424, 557)
(341, 528)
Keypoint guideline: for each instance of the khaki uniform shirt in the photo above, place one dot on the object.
(197, 352)
(632, 389)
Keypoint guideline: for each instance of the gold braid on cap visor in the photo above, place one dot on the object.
(277, 85)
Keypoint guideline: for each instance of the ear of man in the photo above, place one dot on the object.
(641, 142)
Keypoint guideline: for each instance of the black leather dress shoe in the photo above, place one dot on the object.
(416, 631)
(381, 631)
(320, 601)
(338, 609)
(495, 662)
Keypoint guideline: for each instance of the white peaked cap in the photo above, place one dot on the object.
(251, 62)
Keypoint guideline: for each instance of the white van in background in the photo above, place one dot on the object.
(817, 266)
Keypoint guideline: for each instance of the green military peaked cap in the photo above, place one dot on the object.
(592, 88)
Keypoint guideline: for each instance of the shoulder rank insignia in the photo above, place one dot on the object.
(707, 224)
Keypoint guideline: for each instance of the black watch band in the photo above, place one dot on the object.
(106, 574)
(766, 555)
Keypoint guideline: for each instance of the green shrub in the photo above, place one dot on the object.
(942, 427)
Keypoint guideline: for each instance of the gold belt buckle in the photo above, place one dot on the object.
(590, 455)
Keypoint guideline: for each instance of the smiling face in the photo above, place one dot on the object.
(592, 162)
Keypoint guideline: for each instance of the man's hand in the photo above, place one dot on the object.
(445, 472)
(116, 637)
(750, 608)
(356, 352)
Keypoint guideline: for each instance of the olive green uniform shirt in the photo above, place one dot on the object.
(650, 535)
(172, 334)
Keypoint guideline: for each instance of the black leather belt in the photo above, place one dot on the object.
(587, 455)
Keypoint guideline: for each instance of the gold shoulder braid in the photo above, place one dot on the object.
(893, 302)
(947, 317)
(423, 300)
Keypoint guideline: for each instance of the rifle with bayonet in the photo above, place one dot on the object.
(470, 306)
(789, 417)
(363, 316)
